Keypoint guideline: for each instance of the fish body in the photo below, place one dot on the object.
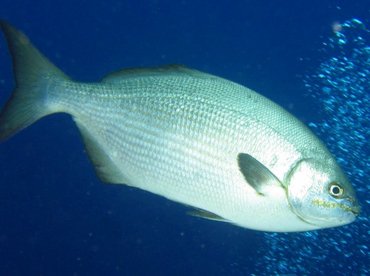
(191, 137)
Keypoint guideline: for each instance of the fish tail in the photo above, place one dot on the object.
(34, 78)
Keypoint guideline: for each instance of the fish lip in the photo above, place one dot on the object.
(356, 210)
(350, 204)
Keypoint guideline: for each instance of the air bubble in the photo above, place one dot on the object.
(340, 87)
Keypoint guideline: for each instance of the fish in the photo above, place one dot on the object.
(225, 151)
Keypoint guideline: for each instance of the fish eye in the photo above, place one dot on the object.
(335, 190)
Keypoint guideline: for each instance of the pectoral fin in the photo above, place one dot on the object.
(256, 174)
(206, 215)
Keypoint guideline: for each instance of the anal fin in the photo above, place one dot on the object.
(104, 166)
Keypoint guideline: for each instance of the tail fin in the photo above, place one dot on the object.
(33, 73)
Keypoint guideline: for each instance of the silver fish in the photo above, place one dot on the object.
(191, 137)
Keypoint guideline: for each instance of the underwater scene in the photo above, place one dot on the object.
(57, 217)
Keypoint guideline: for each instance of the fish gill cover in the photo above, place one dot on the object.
(341, 87)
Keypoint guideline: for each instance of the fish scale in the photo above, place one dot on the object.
(145, 143)
(191, 137)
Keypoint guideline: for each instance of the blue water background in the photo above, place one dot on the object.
(57, 218)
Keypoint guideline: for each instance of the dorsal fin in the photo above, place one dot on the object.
(172, 69)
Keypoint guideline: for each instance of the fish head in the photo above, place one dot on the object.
(320, 194)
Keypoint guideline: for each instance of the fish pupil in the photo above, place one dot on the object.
(336, 190)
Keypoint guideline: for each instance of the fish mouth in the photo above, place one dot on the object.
(350, 205)
(352, 211)
(356, 210)
(353, 206)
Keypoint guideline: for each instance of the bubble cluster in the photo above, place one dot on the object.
(341, 88)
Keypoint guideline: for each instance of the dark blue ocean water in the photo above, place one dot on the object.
(57, 218)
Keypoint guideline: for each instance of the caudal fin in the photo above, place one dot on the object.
(33, 75)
